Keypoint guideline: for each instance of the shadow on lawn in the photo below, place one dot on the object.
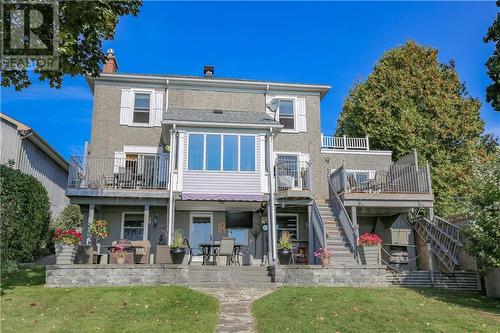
(22, 278)
(472, 300)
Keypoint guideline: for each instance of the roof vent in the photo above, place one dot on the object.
(208, 70)
(218, 111)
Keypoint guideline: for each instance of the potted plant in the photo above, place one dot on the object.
(98, 230)
(369, 249)
(177, 249)
(285, 248)
(66, 245)
(120, 252)
(323, 254)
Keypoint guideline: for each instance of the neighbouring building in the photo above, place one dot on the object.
(215, 157)
(32, 155)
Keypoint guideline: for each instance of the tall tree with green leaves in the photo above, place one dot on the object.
(83, 25)
(412, 101)
(493, 63)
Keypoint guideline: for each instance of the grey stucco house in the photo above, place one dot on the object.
(31, 154)
(217, 157)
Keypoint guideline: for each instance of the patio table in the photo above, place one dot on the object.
(207, 247)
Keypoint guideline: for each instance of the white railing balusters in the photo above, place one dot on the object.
(343, 142)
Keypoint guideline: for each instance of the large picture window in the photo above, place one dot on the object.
(133, 226)
(221, 152)
(141, 108)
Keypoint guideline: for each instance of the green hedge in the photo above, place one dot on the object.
(25, 215)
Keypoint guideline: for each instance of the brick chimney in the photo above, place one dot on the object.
(110, 64)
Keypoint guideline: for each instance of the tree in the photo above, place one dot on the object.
(483, 212)
(493, 63)
(25, 215)
(413, 101)
(70, 218)
(83, 25)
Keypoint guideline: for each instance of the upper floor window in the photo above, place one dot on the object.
(287, 114)
(221, 152)
(142, 108)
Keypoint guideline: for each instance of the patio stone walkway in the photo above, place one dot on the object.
(235, 307)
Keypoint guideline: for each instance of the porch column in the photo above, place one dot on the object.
(172, 179)
(354, 219)
(271, 212)
(86, 224)
(310, 240)
(146, 222)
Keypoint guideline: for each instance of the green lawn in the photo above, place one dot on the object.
(29, 307)
(343, 310)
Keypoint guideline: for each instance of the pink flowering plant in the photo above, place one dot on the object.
(323, 254)
(368, 239)
(119, 249)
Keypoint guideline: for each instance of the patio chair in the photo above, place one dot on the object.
(226, 250)
(143, 248)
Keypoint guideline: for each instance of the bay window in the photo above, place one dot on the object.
(221, 152)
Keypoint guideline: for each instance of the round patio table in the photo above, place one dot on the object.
(208, 248)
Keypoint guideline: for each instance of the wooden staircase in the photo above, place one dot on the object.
(466, 281)
(336, 238)
(444, 238)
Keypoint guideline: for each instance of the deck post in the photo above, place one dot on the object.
(310, 236)
(430, 263)
(367, 143)
(172, 168)
(146, 222)
(354, 219)
(271, 211)
(87, 223)
(345, 142)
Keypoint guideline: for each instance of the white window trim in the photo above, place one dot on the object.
(295, 120)
(151, 93)
(144, 224)
(132, 149)
(200, 214)
(298, 221)
(204, 162)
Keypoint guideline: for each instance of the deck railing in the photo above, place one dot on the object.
(293, 175)
(395, 179)
(143, 172)
(343, 142)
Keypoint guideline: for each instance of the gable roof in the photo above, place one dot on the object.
(29, 133)
(220, 118)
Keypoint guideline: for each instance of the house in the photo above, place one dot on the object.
(31, 154)
(214, 157)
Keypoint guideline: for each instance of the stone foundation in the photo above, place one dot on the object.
(366, 276)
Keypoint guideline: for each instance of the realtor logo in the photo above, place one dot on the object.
(29, 34)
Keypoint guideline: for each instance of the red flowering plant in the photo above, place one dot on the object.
(67, 237)
(368, 239)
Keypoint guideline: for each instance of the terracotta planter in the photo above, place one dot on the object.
(370, 255)
(65, 254)
(325, 262)
(284, 256)
(120, 259)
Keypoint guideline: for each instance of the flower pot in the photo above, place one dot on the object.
(325, 262)
(177, 255)
(370, 255)
(65, 254)
(284, 256)
(120, 259)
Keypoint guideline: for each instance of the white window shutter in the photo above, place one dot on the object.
(301, 114)
(158, 108)
(119, 161)
(126, 107)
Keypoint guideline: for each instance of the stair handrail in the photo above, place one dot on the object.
(351, 231)
(318, 224)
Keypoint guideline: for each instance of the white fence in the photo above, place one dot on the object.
(343, 142)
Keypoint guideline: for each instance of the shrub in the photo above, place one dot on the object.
(70, 218)
(25, 215)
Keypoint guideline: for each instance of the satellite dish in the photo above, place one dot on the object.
(274, 104)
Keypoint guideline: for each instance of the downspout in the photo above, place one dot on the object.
(171, 199)
(271, 212)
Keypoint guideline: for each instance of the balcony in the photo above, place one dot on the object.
(345, 143)
(293, 177)
(140, 172)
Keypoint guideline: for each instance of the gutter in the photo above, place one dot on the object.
(218, 125)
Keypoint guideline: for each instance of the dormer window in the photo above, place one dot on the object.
(287, 114)
(142, 108)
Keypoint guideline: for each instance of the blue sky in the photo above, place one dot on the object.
(335, 43)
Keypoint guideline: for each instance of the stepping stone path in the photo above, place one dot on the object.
(235, 307)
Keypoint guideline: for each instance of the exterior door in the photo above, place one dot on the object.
(201, 231)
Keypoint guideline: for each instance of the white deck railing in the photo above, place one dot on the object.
(343, 142)
(145, 172)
